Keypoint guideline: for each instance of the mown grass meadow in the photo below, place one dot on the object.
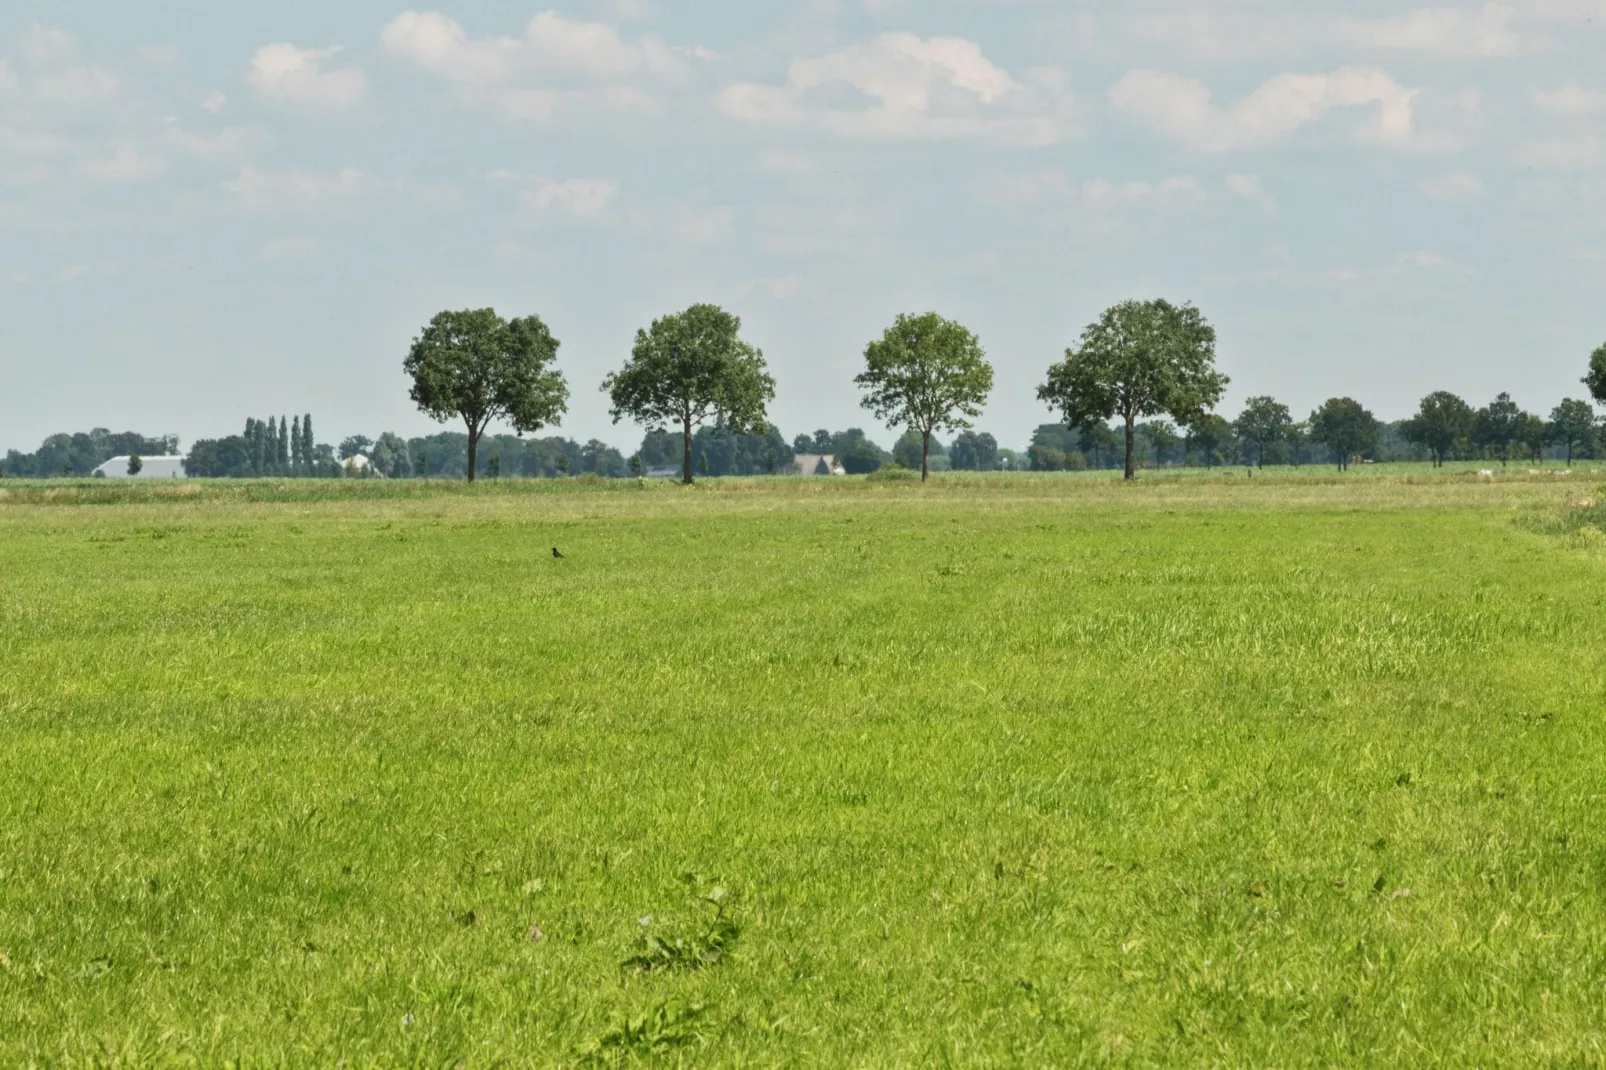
(1001, 771)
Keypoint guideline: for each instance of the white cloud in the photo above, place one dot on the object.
(911, 87)
(1423, 259)
(299, 76)
(1572, 100)
(75, 85)
(44, 45)
(264, 190)
(215, 101)
(1237, 31)
(1182, 109)
(230, 141)
(1052, 198)
(1249, 188)
(556, 65)
(543, 199)
(1487, 31)
(1456, 186)
(125, 163)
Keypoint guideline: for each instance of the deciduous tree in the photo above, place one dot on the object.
(1596, 379)
(689, 368)
(928, 374)
(1498, 425)
(478, 367)
(1142, 358)
(1572, 424)
(1345, 427)
(1441, 421)
(1265, 421)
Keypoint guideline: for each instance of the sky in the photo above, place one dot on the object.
(211, 211)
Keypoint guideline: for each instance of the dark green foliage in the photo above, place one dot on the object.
(927, 374)
(1263, 423)
(646, 1036)
(1596, 379)
(1142, 358)
(974, 453)
(1572, 424)
(1443, 423)
(688, 950)
(352, 445)
(477, 367)
(1210, 440)
(1533, 432)
(80, 454)
(909, 452)
(1158, 440)
(1345, 428)
(1498, 425)
(660, 448)
(717, 451)
(135, 464)
(691, 368)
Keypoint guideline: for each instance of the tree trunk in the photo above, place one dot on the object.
(1131, 441)
(925, 454)
(473, 449)
(686, 469)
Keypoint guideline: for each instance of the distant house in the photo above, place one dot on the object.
(150, 468)
(817, 464)
(665, 471)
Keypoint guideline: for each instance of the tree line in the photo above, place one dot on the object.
(703, 393)
(1148, 365)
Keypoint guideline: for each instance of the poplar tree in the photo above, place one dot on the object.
(306, 442)
(296, 463)
(284, 446)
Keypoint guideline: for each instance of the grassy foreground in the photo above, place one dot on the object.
(1003, 771)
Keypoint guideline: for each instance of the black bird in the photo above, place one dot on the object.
(556, 554)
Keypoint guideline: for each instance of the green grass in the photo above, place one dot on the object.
(1001, 771)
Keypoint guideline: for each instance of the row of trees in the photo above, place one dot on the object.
(1141, 360)
(81, 453)
(275, 447)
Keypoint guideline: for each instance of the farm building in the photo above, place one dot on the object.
(817, 464)
(150, 468)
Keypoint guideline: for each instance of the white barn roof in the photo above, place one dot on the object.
(150, 468)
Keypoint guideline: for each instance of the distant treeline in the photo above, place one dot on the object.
(82, 453)
(286, 449)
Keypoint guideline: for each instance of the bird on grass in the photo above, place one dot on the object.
(556, 554)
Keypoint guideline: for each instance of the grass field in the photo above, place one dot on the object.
(1003, 771)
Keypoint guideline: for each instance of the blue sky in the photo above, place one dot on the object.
(209, 211)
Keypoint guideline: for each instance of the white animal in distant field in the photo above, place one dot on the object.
(1486, 473)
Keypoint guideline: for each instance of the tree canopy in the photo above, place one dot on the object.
(689, 368)
(1264, 422)
(1497, 425)
(1596, 379)
(926, 373)
(1345, 427)
(1442, 421)
(477, 367)
(1142, 358)
(1572, 423)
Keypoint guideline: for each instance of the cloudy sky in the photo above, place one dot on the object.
(209, 211)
